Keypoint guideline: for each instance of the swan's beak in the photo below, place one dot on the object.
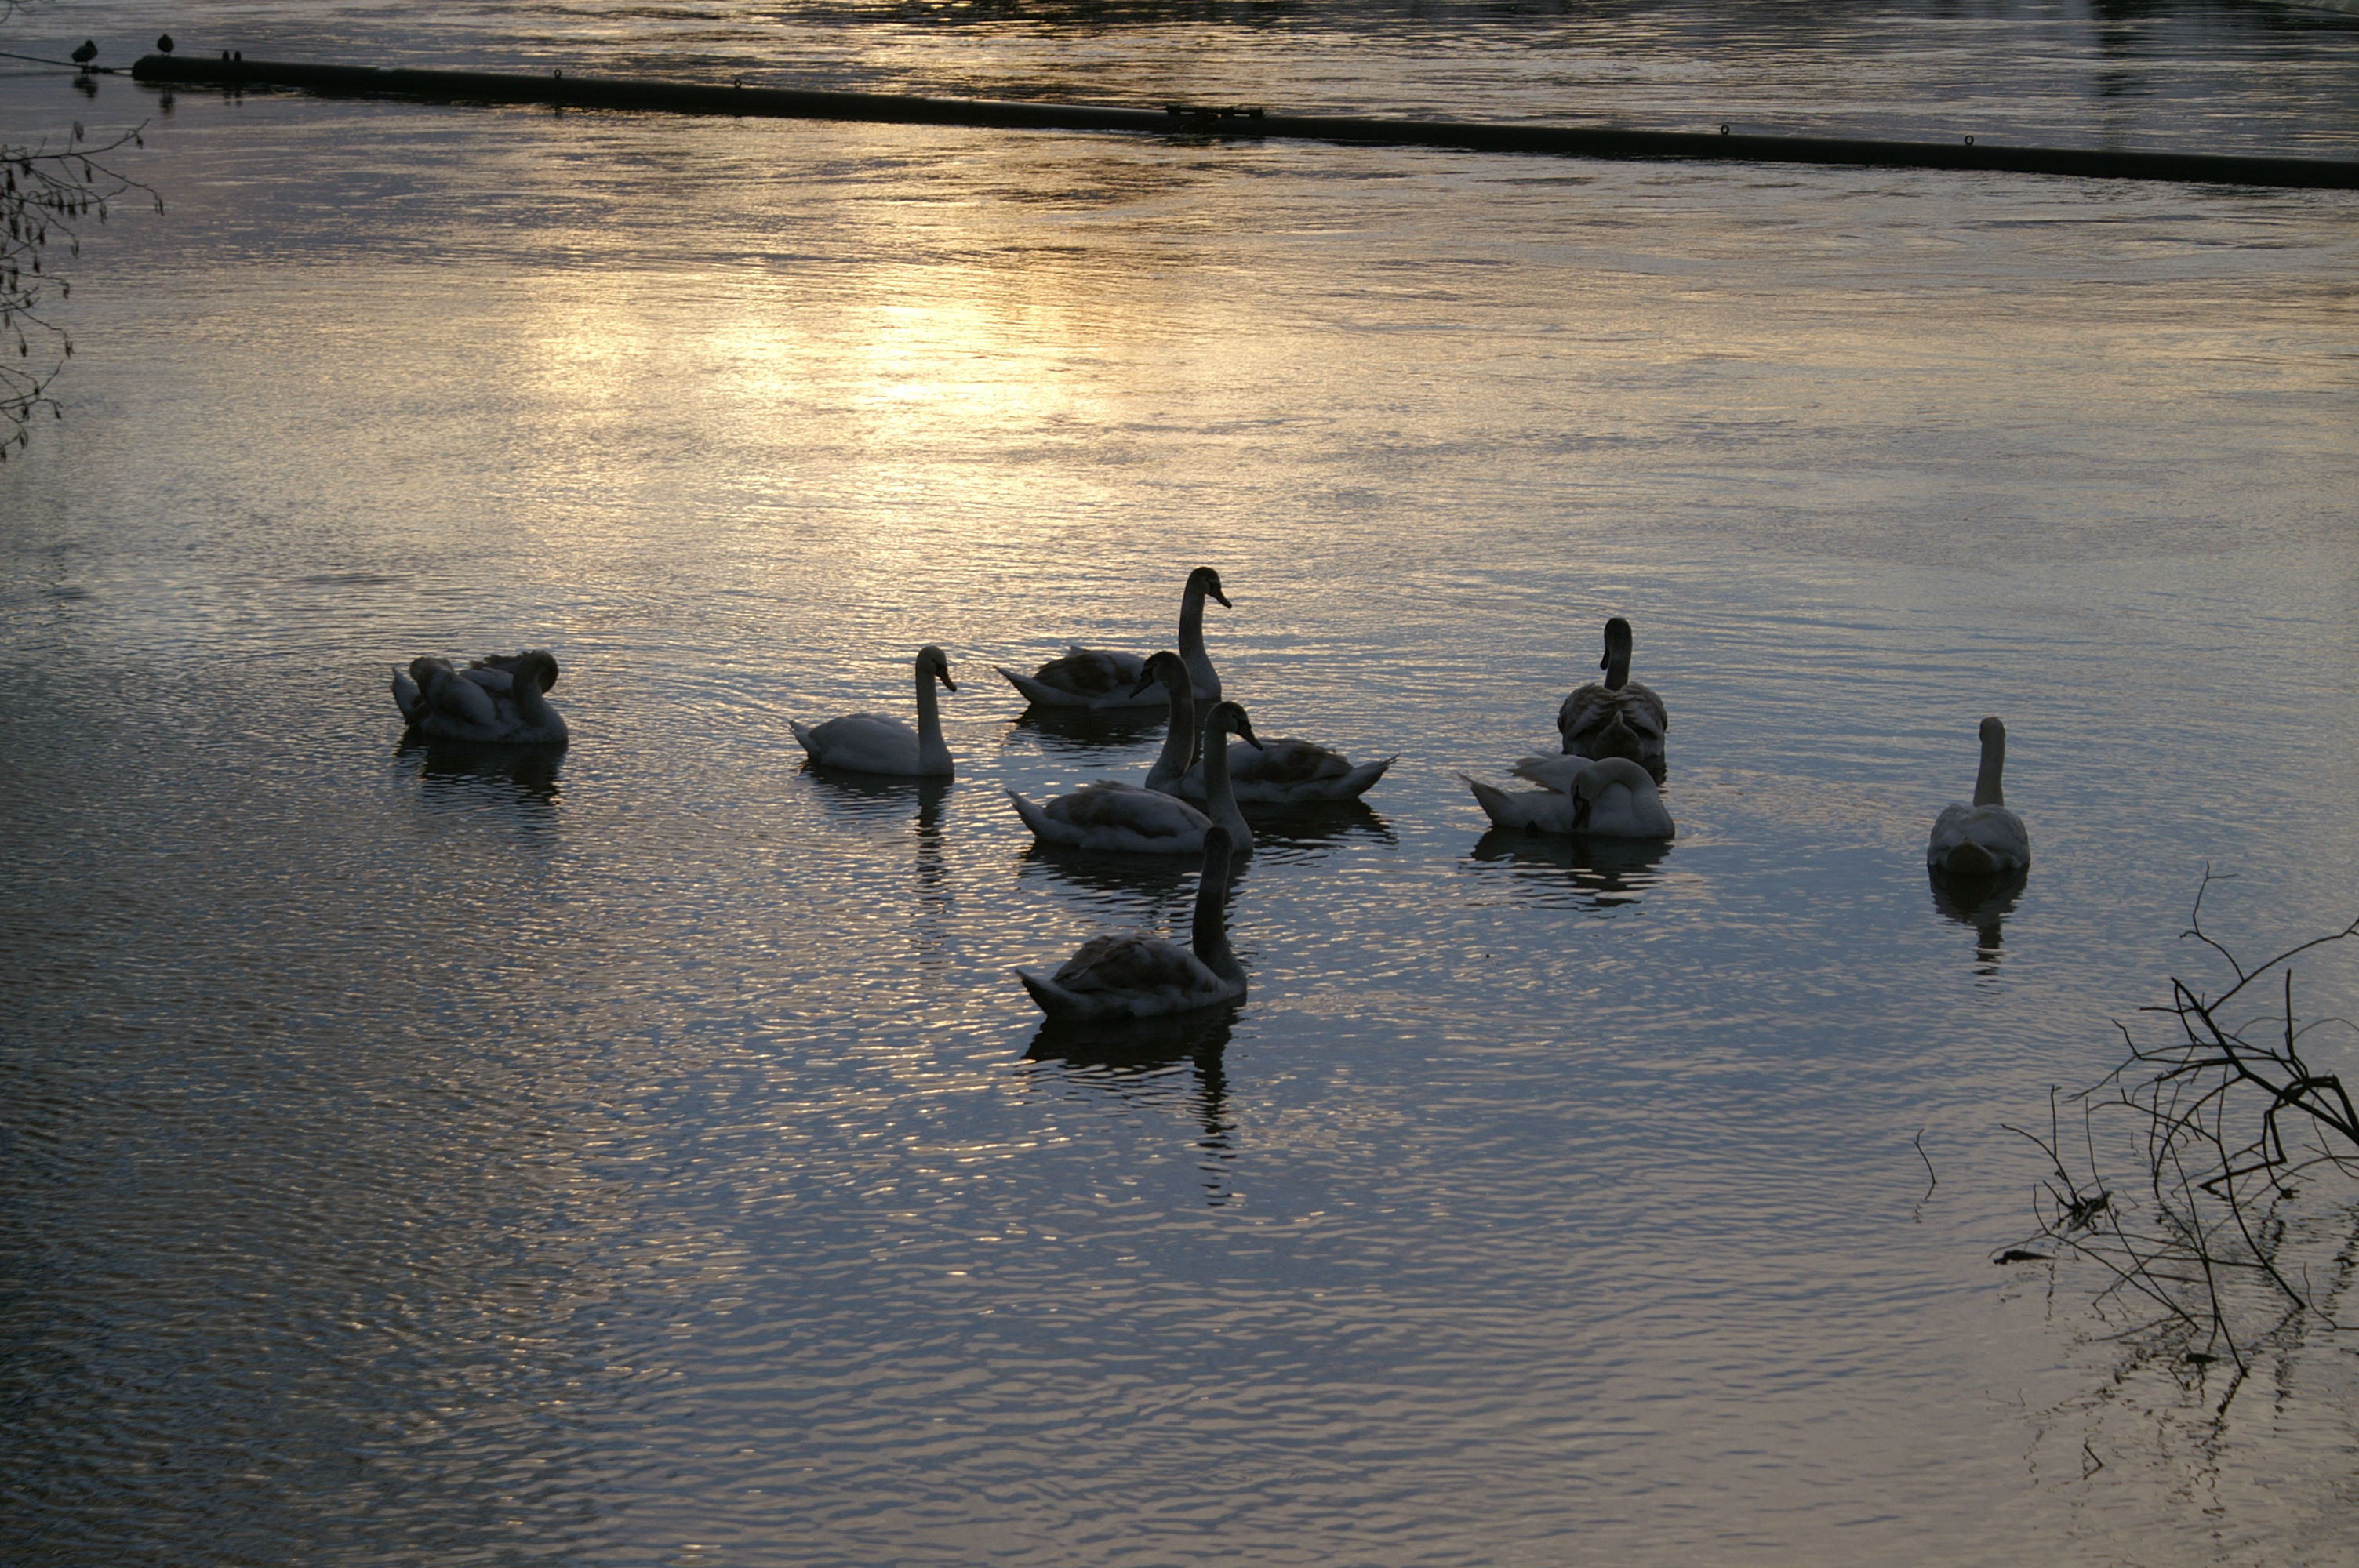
(942, 674)
(1245, 733)
(1223, 598)
(1147, 678)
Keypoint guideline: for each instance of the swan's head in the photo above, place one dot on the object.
(541, 663)
(933, 661)
(1617, 639)
(1994, 732)
(1167, 668)
(1228, 719)
(1217, 848)
(1207, 581)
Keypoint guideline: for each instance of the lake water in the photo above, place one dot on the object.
(650, 1157)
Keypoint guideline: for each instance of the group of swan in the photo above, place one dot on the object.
(500, 700)
(1603, 785)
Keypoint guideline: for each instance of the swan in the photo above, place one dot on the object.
(1135, 975)
(1092, 678)
(1985, 839)
(484, 702)
(1610, 797)
(1180, 736)
(1107, 815)
(873, 743)
(1286, 772)
(1619, 718)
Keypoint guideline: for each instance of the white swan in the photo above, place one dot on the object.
(486, 702)
(1985, 839)
(1125, 818)
(1095, 678)
(1610, 797)
(873, 743)
(1135, 975)
(1619, 718)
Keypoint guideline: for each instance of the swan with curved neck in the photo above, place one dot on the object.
(1606, 797)
(1180, 739)
(1135, 975)
(1096, 678)
(1617, 717)
(875, 743)
(1985, 839)
(500, 700)
(1129, 820)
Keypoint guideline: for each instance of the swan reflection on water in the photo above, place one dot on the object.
(1088, 732)
(1148, 1062)
(1983, 902)
(462, 770)
(1311, 823)
(878, 799)
(1596, 873)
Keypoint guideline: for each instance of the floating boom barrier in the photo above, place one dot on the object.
(560, 91)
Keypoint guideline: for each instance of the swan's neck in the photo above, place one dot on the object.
(1220, 798)
(1191, 643)
(1212, 934)
(1179, 735)
(1617, 668)
(532, 703)
(931, 747)
(1986, 783)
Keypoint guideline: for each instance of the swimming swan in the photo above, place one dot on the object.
(1095, 678)
(1135, 975)
(1611, 797)
(1181, 737)
(873, 743)
(1985, 839)
(1286, 772)
(485, 702)
(1120, 816)
(1619, 718)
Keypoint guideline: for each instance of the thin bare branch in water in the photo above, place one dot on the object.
(2220, 1117)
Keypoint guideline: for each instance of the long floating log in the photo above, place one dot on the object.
(560, 90)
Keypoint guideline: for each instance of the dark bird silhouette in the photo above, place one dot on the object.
(85, 55)
(164, 44)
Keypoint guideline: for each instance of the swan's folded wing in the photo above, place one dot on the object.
(1285, 761)
(1555, 773)
(1135, 964)
(1151, 814)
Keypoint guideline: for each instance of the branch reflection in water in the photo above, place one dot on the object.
(1144, 1062)
(1983, 902)
(1597, 874)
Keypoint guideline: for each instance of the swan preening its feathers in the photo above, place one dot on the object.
(1985, 840)
(1611, 797)
(1127, 818)
(1619, 718)
(1095, 678)
(873, 743)
(1136, 975)
(499, 700)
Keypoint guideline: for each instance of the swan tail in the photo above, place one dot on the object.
(1035, 692)
(805, 734)
(408, 697)
(1496, 804)
(1044, 828)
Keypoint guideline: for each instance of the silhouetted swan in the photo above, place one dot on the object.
(1619, 718)
(1985, 839)
(1609, 797)
(873, 743)
(500, 700)
(1180, 735)
(1135, 975)
(1125, 818)
(1092, 678)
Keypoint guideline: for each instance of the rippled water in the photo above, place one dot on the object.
(650, 1157)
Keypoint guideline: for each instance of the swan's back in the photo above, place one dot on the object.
(1978, 842)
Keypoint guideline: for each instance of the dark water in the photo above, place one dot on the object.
(648, 1156)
